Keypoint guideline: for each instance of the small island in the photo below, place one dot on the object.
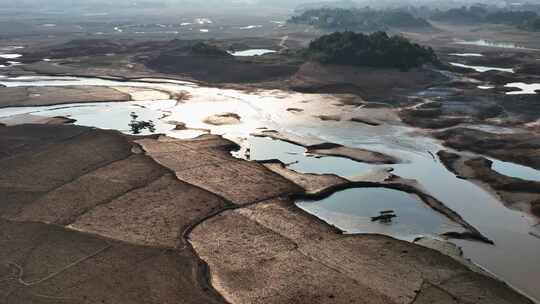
(377, 50)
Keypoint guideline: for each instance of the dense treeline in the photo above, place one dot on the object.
(372, 50)
(531, 24)
(527, 20)
(358, 19)
(367, 19)
(472, 14)
(513, 18)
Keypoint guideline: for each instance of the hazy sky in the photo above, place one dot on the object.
(216, 4)
(240, 2)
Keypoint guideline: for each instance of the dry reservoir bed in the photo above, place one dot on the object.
(146, 201)
(169, 214)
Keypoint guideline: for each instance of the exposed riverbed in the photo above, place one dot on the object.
(265, 110)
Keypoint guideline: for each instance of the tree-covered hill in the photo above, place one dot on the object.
(373, 50)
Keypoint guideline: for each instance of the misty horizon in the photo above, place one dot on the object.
(44, 5)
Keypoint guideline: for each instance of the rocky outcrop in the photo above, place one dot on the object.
(516, 193)
(223, 119)
(520, 148)
(357, 154)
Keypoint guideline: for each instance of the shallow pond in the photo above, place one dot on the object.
(352, 211)
(10, 56)
(110, 115)
(515, 170)
(252, 52)
(250, 27)
(525, 88)
(466, 54)
(482, 69)
(264, 148)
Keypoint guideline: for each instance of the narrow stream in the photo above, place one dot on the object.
(515, 170)
(482, 69)
(514, 258)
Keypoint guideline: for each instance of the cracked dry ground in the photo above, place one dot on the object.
(94, 216)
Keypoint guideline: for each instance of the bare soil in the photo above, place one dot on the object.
(45, 96)
(88, 210)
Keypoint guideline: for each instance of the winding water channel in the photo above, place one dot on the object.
(514, 257)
